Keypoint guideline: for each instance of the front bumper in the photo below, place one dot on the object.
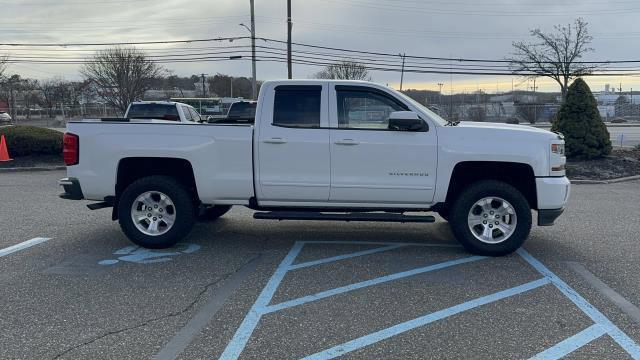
(72, 189)
(546, 217)
(553, 194)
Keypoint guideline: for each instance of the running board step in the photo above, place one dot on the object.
(307, 215)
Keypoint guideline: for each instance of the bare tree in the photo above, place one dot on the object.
(344, 70)
(3, 65)
(53, 93)
(555, 54)
(122, 73)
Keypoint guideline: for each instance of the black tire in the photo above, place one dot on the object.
(182, 201)
(212, 213)
(490, 188)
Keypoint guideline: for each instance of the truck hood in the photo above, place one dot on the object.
(508, 127)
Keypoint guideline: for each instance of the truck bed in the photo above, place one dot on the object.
(220, 155)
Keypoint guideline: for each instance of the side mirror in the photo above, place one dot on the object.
(406, 121)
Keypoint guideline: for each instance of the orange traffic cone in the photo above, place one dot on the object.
(4, 153)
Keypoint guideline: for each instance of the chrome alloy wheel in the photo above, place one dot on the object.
(153, 213)
(492, 220)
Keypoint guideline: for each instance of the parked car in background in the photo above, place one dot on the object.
(241, 112)
(5, 118)
(162, 110)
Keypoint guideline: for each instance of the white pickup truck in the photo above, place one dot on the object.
(322, 150)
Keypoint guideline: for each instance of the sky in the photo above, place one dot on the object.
(436, 28)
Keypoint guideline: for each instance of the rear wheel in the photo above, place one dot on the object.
(156, 212)
(491, 218)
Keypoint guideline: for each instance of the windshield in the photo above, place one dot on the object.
(153, 111)
(435, 117)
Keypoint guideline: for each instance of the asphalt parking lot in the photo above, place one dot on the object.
(248, 288)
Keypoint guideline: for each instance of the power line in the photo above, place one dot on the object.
(340, 50)
(372, 60)
(324, 62)
(127, 43)
(441, 58)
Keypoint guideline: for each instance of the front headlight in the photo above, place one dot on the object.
(557, 160)
(557, 149)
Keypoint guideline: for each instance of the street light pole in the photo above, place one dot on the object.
(254, 88)
(252, 31)
(289, 26)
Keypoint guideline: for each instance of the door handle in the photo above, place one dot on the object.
(348, 142)
(275, 141)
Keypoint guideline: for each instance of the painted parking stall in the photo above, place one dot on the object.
(22, 246)
(263, 306)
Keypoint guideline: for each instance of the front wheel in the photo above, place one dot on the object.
(491, 218)
(156, 212)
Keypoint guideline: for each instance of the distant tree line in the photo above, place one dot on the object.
(114, 77)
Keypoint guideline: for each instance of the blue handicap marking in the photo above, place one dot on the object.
(601, 326)
(139, 255)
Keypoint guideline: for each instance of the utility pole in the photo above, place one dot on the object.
(289, 26)
(14, 110)
(440, 96)
(535, 101)
(451, 97)
(204, 89)
(633, 107)
(231, 77)
(254, 87)
(402, 71)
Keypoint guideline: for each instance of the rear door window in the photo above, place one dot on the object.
(297, 106)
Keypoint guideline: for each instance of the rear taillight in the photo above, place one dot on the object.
(71, 149)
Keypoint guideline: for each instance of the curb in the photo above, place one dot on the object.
(612, 181)
(32, 168)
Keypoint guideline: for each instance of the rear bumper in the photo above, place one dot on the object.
(72, 189)
(546, 217)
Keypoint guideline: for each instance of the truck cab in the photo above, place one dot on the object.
(324, 150)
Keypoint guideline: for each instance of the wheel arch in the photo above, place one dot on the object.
(519, 175)
(131, 169)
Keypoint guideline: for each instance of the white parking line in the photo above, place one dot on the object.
(22, 246)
